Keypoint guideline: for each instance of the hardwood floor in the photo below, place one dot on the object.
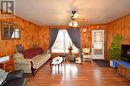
(71, 74)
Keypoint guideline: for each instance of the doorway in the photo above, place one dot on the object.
(97, 44)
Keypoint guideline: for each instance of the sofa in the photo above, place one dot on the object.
(14, 78)
(31, 59)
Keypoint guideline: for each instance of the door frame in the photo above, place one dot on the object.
(92, 53)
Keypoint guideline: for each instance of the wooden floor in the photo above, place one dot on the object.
(71, 74)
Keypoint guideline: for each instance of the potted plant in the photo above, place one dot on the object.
(114, 52)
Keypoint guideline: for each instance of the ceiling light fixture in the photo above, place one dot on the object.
(73, 22)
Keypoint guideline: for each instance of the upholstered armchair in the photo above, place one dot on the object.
(86, 54)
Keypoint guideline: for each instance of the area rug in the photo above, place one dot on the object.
(101, 63)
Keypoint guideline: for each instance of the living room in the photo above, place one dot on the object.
(48, 26)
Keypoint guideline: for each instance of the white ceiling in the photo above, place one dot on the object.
(58, 12)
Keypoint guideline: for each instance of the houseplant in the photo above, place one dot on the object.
(114, 52)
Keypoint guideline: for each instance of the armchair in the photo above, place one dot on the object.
(14, 78)
(86, 54)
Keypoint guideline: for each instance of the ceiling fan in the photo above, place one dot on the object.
(74, 17)
(75, 21)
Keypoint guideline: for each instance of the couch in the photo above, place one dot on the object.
(14, 78)
(31, 59)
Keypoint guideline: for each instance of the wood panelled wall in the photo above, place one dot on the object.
(44, 37)
(119, 26)
(34, 34)
(28, 36)
(86, 37)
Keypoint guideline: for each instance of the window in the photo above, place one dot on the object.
(15, 33)
(63, 42)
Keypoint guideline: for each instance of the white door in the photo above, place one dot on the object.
(97, 44)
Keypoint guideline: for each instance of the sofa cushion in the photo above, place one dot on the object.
(39, 60)
(30, 53)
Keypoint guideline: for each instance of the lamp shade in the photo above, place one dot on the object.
(70, 24)
(73, 24)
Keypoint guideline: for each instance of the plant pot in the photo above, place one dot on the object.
(113, 64)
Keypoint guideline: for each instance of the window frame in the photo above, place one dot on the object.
(65, 49)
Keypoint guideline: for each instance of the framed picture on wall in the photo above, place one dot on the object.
(9, 31)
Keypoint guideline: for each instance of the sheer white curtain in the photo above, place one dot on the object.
(63, 42)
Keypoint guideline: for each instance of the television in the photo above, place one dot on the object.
(125, 52)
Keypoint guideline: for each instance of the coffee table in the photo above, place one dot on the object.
(56, 62)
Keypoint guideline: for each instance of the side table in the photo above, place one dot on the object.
(7, 65)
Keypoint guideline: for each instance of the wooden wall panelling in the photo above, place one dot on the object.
(34, 34)
(119, 26)
(29, 34)
(44, 37)
(86, 37)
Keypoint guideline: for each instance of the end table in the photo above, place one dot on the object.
(7, 65)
